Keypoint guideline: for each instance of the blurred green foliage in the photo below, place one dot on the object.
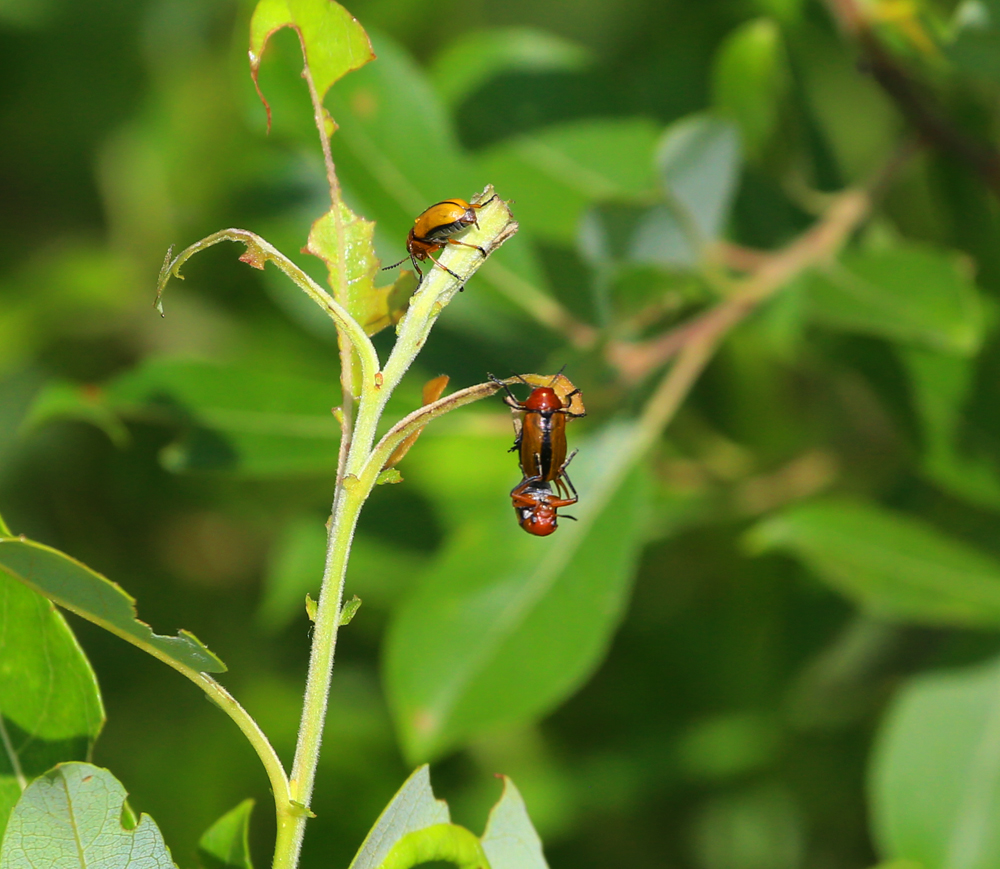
(699, 677)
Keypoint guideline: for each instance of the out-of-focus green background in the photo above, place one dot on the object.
(823, 518)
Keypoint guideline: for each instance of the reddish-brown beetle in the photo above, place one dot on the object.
(537, 508)
(541, 439)
(434, 228)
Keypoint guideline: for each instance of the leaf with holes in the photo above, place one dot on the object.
(76, 587)
(74, 817)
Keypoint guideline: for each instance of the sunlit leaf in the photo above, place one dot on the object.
(333, 43)
(510, 840)
(474, 58)
(554, 174)
(699, 163)
(895, 566)
(76, 587)
(226, 844)
(750, 79)
(345, 245)
(935, 775)
(910, 293)
(71, 818)
(414, 807)
(50, 705)
(458, 651)
(444, 843)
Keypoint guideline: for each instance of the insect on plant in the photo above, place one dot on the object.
(542, 454)
(535, 506)
(435, 228)
(541, 436)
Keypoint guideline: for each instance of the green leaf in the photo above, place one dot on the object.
(71, 818)
(895, 566)
(76, 587)
(510, 840)
(347, 244)
(349, 610)
(234, 420)
(474, 58)
(226, 844)
(414, 807)
(295, 568)
(50, 704)
(750, 78)
(333, 43)
(934, 782)
(914, 294)
(4, 529)
(554, 174)
(60, 400)
(505, 625)
(699, 163)
(942, 384)
(445, 843)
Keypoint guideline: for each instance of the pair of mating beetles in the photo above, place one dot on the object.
(541, 448)
(541, 437)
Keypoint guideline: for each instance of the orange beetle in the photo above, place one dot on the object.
(536, 508)
(434, 228)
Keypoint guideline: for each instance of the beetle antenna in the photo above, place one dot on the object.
(564, 516)
(557, 375)
(386, 268)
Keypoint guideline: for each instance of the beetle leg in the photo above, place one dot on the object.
(510, 399)
(563, 480)
(420, 274)
(466, 244)
(518, 490)
(450, 272)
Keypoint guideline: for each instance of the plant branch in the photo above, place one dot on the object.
(913, 99)
(773, 271)
(259, 252)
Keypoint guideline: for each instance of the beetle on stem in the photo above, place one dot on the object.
(434, 228)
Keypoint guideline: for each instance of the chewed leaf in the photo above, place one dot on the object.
(510, 840)
(333, 42)
(76, 587)
(71, 817)
(336, 234)
(386, 305)
(344, 242)
(414, 807)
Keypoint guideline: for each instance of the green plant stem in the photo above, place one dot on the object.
(359, 475)
(291, 826)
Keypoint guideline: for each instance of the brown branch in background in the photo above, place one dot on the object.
(820, 242)
(916, 104)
